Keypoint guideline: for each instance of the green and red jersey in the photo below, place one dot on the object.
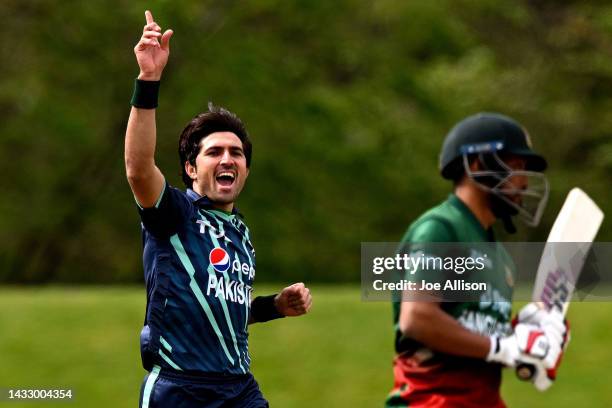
(424, 377)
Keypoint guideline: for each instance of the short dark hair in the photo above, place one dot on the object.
(216, 119)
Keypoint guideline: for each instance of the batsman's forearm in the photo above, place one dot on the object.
(430, 325)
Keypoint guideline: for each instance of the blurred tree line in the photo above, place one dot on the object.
(347, 103)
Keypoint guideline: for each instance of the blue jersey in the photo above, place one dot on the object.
(199, 268)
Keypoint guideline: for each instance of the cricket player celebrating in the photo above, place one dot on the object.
(198, 258)
(450, 354)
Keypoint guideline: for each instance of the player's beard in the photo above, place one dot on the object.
(503, 211)
(225, 198)
(500, 207)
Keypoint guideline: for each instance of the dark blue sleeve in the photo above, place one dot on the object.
(172, 210)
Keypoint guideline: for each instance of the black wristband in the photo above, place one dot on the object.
(263, 309)
(145, 94)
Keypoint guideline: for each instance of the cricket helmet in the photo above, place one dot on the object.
(489, 138)
(486, 133)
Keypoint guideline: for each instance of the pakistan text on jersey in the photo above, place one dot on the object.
(230, 290)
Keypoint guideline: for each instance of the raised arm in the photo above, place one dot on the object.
(146, 180)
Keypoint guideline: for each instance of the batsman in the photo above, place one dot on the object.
(451, 354)
(199, 261)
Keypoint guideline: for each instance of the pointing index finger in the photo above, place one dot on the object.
(149, 16)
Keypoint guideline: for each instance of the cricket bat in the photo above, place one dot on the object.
(561, 264)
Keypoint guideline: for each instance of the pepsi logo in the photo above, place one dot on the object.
(219, 259)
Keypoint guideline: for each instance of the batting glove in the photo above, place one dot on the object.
(528, 340)
(543, 372)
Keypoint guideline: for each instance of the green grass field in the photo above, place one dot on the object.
(86, 338)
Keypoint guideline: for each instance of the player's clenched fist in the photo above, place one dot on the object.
(152, 50)
(294, 300)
